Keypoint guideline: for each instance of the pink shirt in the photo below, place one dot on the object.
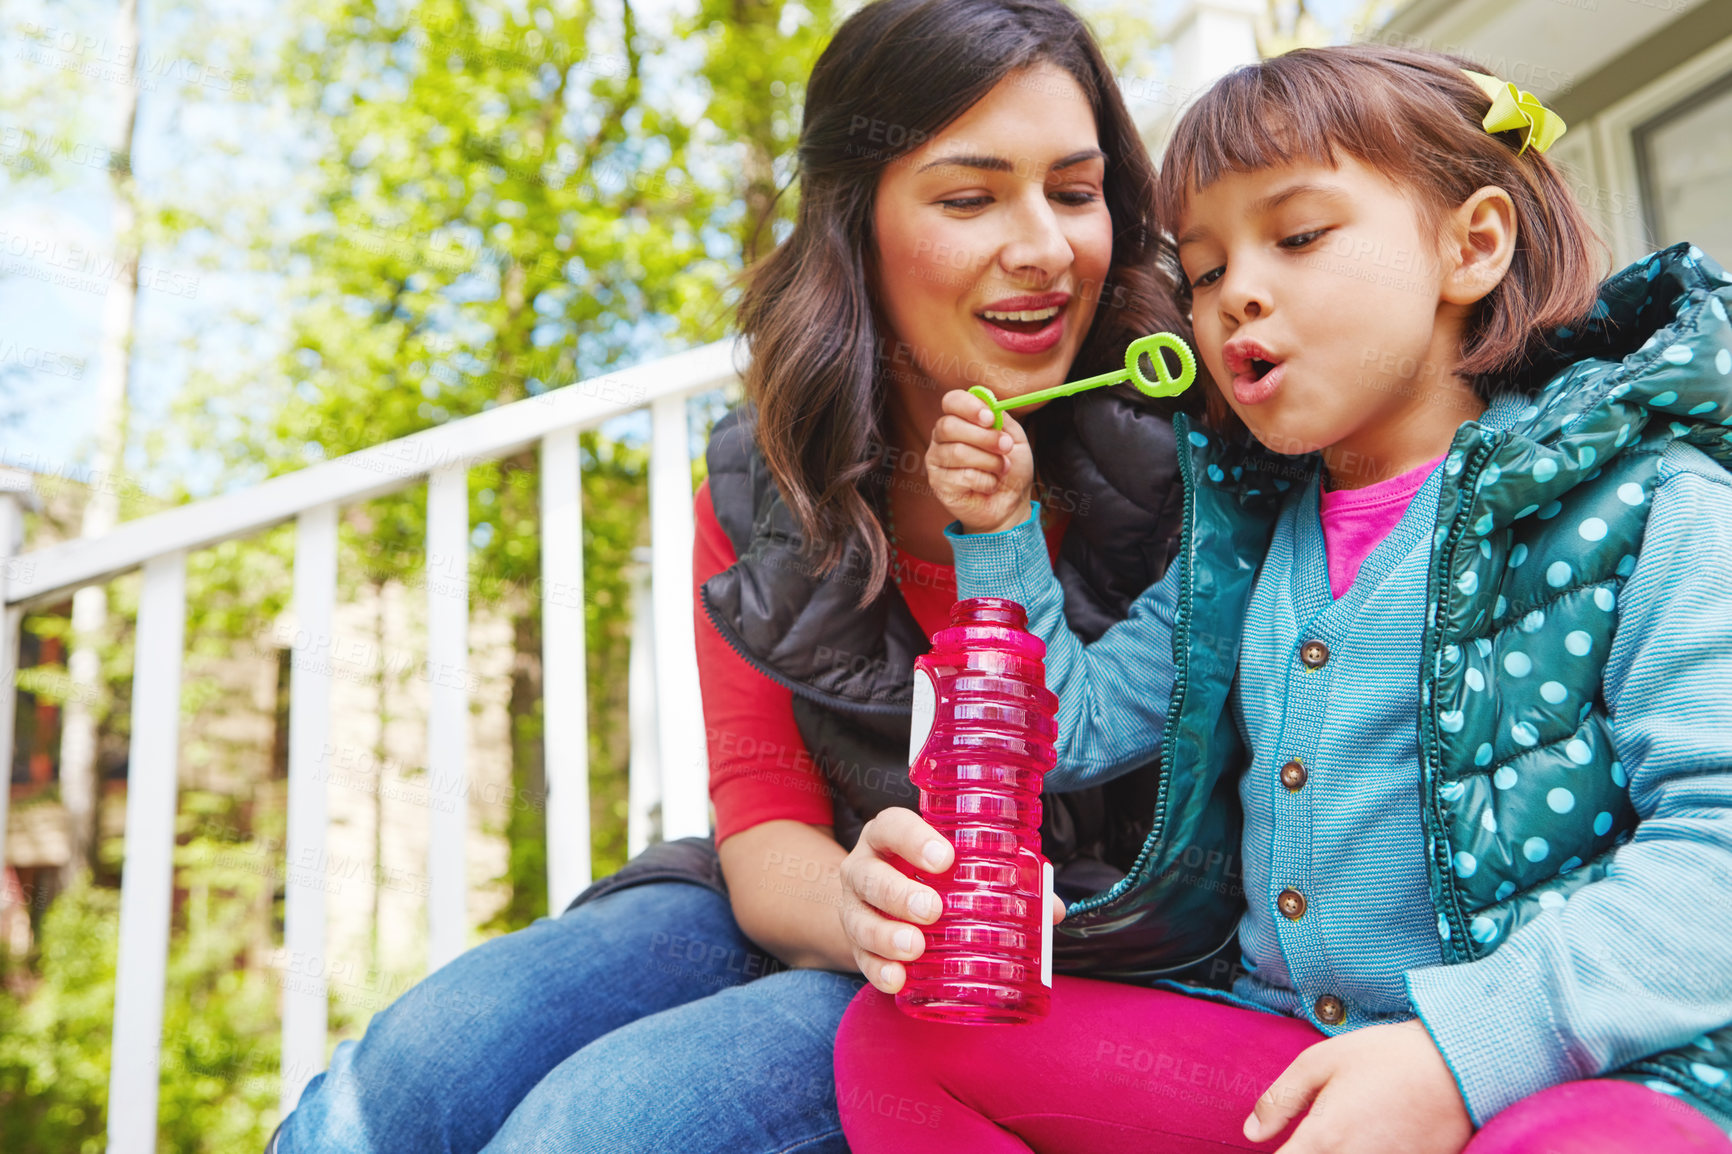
(1356, 520)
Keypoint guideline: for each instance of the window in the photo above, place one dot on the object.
(1684, 156)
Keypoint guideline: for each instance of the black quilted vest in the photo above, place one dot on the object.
(1106, 460)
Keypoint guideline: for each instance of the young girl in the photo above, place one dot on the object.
(1460, 627)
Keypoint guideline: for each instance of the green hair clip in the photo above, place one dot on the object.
(1165, 384)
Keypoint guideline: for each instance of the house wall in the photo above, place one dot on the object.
(1645, 86)
(1618, 72)
(380, 797)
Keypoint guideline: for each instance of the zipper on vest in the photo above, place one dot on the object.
(1181, 679)
(1443, 894)
(800, 688)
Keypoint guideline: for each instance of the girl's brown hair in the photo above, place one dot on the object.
(897, 72)
(1414, 117)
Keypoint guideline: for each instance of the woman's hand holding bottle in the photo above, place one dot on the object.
(982, 475)
(883, 908)
(880, 902)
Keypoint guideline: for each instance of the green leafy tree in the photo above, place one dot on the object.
(502, 212)
(220, 1027)
(508, 202)
(503, 200)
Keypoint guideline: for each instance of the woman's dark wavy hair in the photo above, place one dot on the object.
(895, 74)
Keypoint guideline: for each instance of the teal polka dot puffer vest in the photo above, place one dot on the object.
(1538, 526)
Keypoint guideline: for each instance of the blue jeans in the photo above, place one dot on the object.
(643, 1020)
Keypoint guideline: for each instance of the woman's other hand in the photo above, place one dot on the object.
(883, 909)
(982, 475)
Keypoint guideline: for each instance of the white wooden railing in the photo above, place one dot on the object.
(668, 763)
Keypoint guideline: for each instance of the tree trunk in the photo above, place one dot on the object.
(526, 820)
(758, 137)
(79, 785)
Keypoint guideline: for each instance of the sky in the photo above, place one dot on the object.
(56, 229)
(198, 131)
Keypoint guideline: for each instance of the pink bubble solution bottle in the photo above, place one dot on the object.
(981, 744)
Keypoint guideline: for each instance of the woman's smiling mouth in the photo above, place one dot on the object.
(1026, 324)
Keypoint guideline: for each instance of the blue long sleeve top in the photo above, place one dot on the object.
(1627, 966)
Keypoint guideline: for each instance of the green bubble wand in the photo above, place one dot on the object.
(1165, 384)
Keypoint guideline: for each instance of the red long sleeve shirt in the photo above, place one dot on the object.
(759, 767)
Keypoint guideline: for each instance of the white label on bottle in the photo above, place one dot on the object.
(1046, 924)
(925, 712)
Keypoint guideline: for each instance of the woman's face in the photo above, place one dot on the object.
(993, 239)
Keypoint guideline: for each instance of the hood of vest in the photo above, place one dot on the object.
(1652, 362)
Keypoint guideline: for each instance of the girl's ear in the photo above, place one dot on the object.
(1479, 240)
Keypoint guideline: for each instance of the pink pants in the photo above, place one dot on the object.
(1116, 1068)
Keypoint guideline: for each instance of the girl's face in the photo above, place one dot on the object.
(1318, 305)
(993, 239)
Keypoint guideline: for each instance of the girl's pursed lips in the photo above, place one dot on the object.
(1239, 353)
(1254, 389)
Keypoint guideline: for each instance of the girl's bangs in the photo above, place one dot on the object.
(1272, 114)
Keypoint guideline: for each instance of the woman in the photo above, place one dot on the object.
(974, 203)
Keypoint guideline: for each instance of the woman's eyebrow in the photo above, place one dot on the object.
(1001, 164)
(1076, 158)
(990, 163)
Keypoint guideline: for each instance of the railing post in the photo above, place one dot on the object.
(447, 713)
(147, 882)
(159, 544)
(564, 679)
(684, 759)
(14, 486)
(310, 684)
(643, 817)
